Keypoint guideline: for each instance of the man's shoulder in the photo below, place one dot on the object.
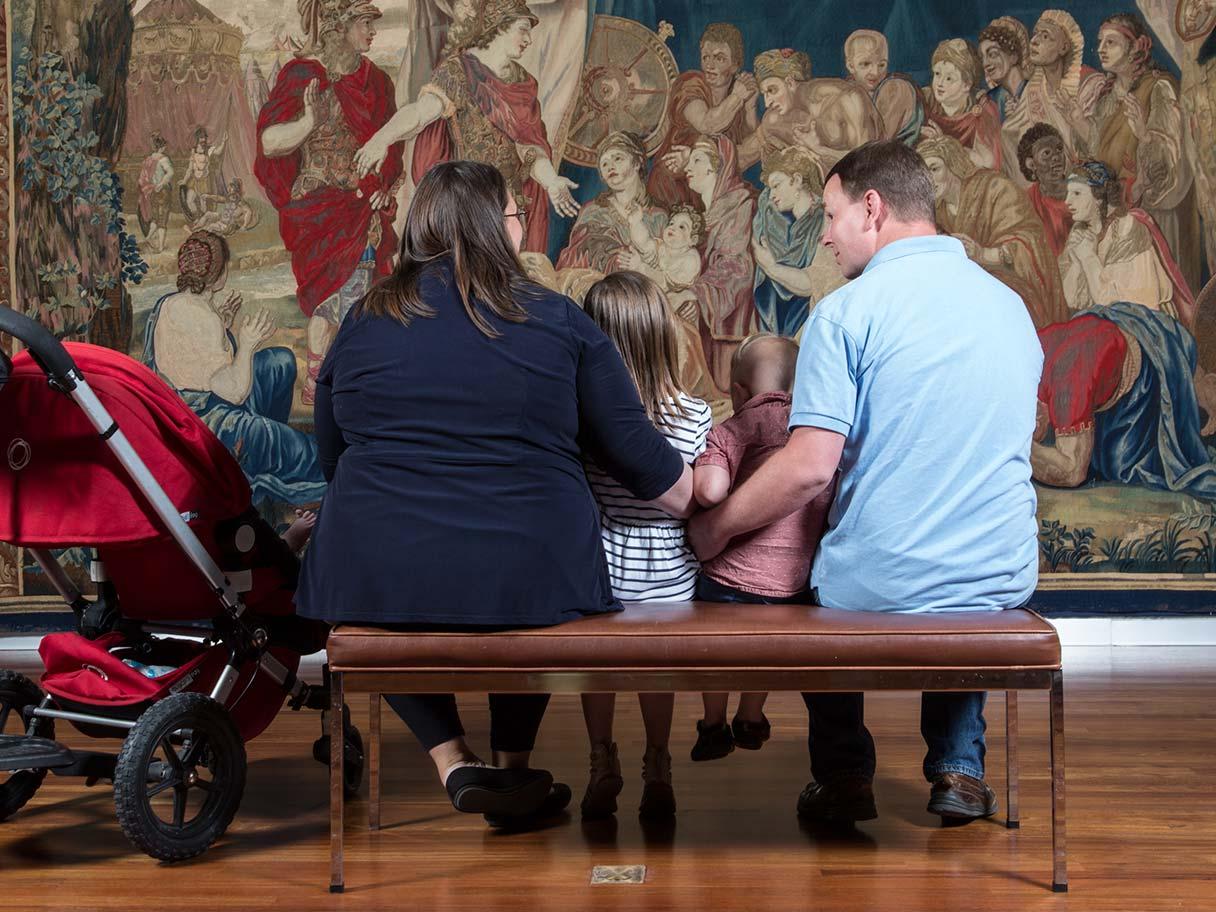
(451, 74)
(842, 306)
(301, 68)
(897, 87)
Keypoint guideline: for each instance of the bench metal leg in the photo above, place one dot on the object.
(336, 745)
(1059, 859)
(373, 762)
(1011, 759)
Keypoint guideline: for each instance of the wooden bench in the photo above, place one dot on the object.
(702, 646)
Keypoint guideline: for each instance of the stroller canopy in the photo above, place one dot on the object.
(62, 486)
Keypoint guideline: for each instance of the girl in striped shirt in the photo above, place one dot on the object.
(648, 556)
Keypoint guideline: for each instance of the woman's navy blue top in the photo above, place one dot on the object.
(457, 494)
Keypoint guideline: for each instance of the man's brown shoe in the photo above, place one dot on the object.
(961, 797)
(843, 800)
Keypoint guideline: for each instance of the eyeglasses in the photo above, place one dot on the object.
(521, 213)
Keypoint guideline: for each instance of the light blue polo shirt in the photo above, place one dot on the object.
(929, 366)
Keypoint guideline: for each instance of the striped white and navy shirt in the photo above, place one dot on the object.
(648, 557)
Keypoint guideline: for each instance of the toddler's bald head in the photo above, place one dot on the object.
(764, 363)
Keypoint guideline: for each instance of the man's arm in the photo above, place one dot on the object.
(555, 185)
(751, 150)
(1065, 465)
(790, 479)
(407, 122)
(896, 103)
(718, 118)
(285, 138)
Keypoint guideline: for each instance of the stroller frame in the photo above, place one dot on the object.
(35, 754)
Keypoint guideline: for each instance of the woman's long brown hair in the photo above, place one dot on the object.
(457, 212)
(633, 312)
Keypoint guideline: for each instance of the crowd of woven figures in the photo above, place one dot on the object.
(1091, 192)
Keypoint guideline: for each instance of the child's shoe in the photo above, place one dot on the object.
(751, 735)
(713, 742)
(658, 798)
(605, 783)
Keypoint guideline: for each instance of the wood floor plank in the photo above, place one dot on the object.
(1141, 727)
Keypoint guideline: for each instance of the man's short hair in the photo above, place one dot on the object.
(725, 33)
(1026, 145)
(864, 36)
(894, 172)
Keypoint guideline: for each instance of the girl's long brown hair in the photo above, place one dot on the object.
(457, 212)
(633, 312)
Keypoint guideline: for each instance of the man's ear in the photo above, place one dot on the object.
(876, 209)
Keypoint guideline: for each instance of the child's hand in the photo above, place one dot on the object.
(631, 260)
(704, 538)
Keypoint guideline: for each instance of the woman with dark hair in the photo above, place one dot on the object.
(242, 391)
(452, 413)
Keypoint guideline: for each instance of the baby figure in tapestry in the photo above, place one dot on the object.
(671, 260)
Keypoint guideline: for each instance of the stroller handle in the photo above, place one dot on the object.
(45, 349)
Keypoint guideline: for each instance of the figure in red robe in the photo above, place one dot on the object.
(716, 100)
(481, 105)
(338, 227)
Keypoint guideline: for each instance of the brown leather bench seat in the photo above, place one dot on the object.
(710, 635)
(694, 646)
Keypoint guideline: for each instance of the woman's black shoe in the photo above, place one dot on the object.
(552, 805)
(492, 790)
(713, 741)
(751, 735)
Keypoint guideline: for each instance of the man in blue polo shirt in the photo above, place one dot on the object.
(918, 381)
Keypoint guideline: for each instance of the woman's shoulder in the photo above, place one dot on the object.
(1128, 237)
(185, 306)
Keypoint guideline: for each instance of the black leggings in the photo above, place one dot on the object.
(434, 719)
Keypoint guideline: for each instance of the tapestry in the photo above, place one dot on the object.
(1071, 150)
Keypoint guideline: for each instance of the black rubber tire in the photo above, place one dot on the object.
(222, 755)
(17, 692)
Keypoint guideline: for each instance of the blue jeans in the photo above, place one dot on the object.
(952, 725)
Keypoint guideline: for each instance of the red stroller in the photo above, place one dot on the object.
(191, 644)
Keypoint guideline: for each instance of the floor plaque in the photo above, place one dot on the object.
(618, 874)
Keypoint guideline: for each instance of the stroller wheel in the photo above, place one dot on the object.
(180, 777)
(17, 694)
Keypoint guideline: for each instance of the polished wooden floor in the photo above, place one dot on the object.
(1141, 727)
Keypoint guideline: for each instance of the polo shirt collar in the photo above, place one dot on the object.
(934, 243)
